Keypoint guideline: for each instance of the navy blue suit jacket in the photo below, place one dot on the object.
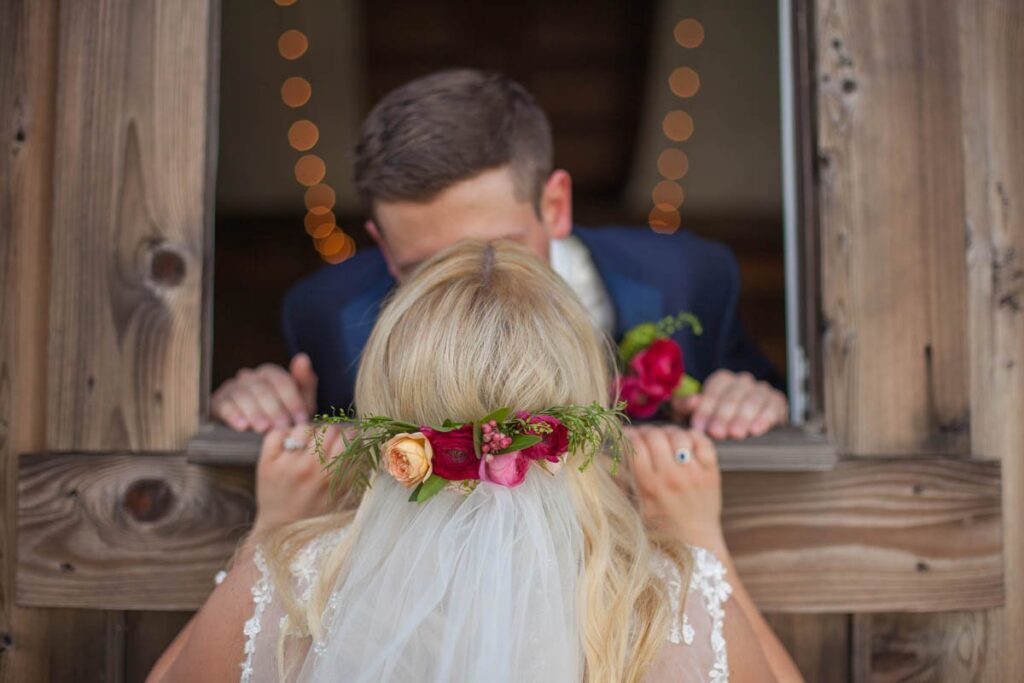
(330, 313)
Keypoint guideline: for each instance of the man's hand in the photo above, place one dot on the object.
(733, 406)
(267, 397)
(291, 484)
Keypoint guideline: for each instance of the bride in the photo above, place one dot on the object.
(475, 555)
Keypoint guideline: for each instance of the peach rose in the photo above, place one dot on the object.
(408, 458)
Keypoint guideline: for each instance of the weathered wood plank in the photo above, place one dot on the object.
(788, 449)
(949, 647)
(917, 535)
(29, 649)
(891, 205)
(992, 50)
(128, 224)
(126, 531)
(872, 535)
(818, 643)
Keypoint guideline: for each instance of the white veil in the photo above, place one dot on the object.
(474, 588)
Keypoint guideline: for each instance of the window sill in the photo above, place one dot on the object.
(786, 449)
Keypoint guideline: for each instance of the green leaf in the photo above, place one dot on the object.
(499, 416)
(448, 426)
(428, 489)
(520, 442)
(687, 386)
(636, 340)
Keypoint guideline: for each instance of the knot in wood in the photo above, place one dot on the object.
(148, 500)
(166, 267)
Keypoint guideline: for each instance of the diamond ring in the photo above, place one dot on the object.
(293, 444)
(683, 455)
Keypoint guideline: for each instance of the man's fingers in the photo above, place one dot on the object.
(286, 391)
(251, 408)
(226, 410)
(714, 387)
(728, 405)
(301, 370)
(684, 406)
(751, 406)
(774, 412)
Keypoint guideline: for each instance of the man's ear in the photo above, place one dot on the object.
(374, 232)
(556, 205)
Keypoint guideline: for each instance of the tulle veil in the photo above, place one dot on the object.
(478, 587)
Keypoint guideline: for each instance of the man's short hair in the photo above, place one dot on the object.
(447, 127)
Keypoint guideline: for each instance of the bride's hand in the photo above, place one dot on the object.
(681, 495)
(291, 484)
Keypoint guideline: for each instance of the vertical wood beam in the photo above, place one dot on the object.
(891, 203)
(992, 49)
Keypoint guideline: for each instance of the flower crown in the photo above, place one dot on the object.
(497, 448)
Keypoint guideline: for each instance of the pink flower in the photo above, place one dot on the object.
(507, 470)
(659, 368)
(639, 403)
(555, 442)
(454, 458)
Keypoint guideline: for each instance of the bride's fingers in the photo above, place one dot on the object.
(704, 450)
(273, 443)
(659, 446)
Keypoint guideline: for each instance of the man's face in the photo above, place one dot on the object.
(482, 208)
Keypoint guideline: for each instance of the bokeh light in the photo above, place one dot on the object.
(310, 169)
(303, 135)
(292, 44)
(320, 199)
(296, 91)
(673, 164)
(684, 82)
(284, 3)
(347, 250)
(315, 221)
(668, 194)
(663, 219)
(678, 125)
(689, 33)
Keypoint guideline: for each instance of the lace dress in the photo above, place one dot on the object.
(695, 647)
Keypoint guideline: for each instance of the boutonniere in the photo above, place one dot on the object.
(652, 367)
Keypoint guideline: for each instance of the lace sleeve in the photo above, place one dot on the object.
(263, 629)
(695, 649)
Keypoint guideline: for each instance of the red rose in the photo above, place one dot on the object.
(454, 457)
(659, 367)
(639, 403)
(554, 444)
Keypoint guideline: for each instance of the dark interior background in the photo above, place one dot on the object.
(598, 68)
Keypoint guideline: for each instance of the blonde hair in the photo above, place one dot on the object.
(482, 326)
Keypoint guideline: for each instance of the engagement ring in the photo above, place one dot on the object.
(682, 455)
(293, 444)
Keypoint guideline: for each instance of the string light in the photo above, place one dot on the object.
(310, 169)
(330, 241)
(296, 91)
(684, 82)
(667, 196)
(292, 44)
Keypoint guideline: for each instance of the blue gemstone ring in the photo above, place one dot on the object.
(683, 455)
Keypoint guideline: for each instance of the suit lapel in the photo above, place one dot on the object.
(634, 300)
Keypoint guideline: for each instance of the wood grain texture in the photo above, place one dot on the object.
(818, 643)
(992, 49)
(872, 535)
(126, 531)
(892, 233)
(35, 645)
(788, 449)
(950, 647)
(915, 535)
(128, 224)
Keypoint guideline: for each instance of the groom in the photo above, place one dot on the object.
(465, 154)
